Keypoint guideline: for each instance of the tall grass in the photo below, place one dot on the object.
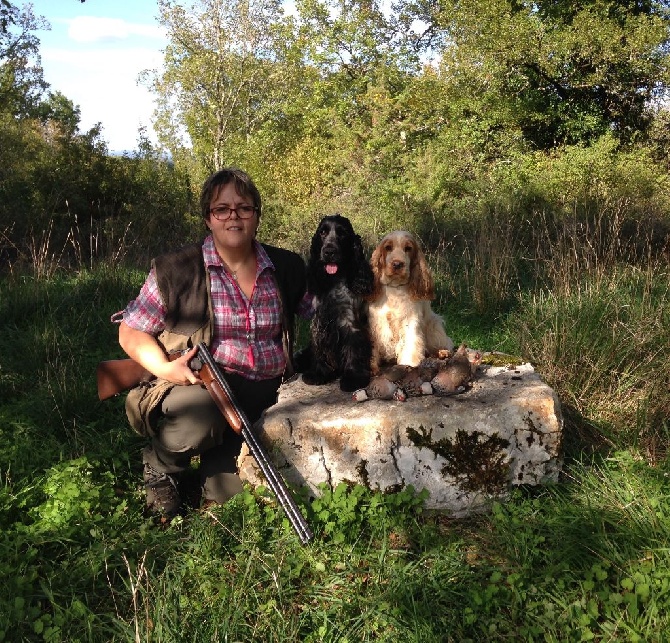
(602, 342)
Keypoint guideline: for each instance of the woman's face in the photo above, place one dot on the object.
(233, 232)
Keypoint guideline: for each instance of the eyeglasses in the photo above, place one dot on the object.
(223, 212)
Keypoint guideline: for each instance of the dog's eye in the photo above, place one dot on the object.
(409, 248)
(388, 247)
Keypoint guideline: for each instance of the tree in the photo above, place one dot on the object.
(59, 114)
(21, 80)
(359, 108)
(6, 15)
(564, 71)
(224, 71)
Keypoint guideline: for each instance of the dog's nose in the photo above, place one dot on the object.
(397, 265)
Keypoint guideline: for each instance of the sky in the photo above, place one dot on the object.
(94, 53)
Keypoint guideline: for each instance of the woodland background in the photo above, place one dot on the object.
(437, 116)
(526, 143)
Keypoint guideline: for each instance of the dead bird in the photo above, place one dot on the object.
(444, 375)
(410, 379)
(456, 373)
(429, 367)
(380, 388)
(397, 382)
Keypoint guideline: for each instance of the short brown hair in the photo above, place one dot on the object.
(244, 186)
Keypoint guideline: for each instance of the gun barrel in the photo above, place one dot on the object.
(274, 480)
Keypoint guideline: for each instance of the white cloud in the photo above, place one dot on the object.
(89, 29)
(120, 63)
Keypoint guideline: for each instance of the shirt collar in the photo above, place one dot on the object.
(211, 256)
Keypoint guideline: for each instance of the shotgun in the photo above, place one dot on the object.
(117, 375)
(221, 393)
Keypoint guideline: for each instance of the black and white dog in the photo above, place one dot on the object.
(340, 278)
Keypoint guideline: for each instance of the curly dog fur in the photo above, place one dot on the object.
(340, 278)
(403, 327)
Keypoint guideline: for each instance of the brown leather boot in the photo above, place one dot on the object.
(163, 497)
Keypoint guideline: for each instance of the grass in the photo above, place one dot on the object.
(586, 559)
(603, 345)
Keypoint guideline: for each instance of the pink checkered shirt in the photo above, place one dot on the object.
(247, 332)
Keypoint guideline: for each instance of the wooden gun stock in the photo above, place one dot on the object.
(117, 375)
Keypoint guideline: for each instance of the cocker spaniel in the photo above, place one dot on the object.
(403, 326)
(340, 279)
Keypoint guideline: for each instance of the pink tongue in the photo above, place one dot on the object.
(331, 268)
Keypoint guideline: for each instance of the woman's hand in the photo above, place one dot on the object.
(178, 370)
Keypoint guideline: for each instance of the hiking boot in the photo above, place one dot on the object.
(162, 493)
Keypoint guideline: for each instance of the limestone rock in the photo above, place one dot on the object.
(465, 449)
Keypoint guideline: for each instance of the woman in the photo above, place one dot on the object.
(238, 296)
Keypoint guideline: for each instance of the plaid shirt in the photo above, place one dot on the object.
(247, 332)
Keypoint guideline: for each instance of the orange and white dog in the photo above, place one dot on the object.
(403, 326)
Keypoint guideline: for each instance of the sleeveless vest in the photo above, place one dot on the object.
(185, 287)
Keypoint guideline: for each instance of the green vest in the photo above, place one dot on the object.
(185, 287)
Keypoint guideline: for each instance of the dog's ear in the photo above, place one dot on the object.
(315, 244)
(421, 284)
(377, 265)
(361, 279)
(313, 281)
